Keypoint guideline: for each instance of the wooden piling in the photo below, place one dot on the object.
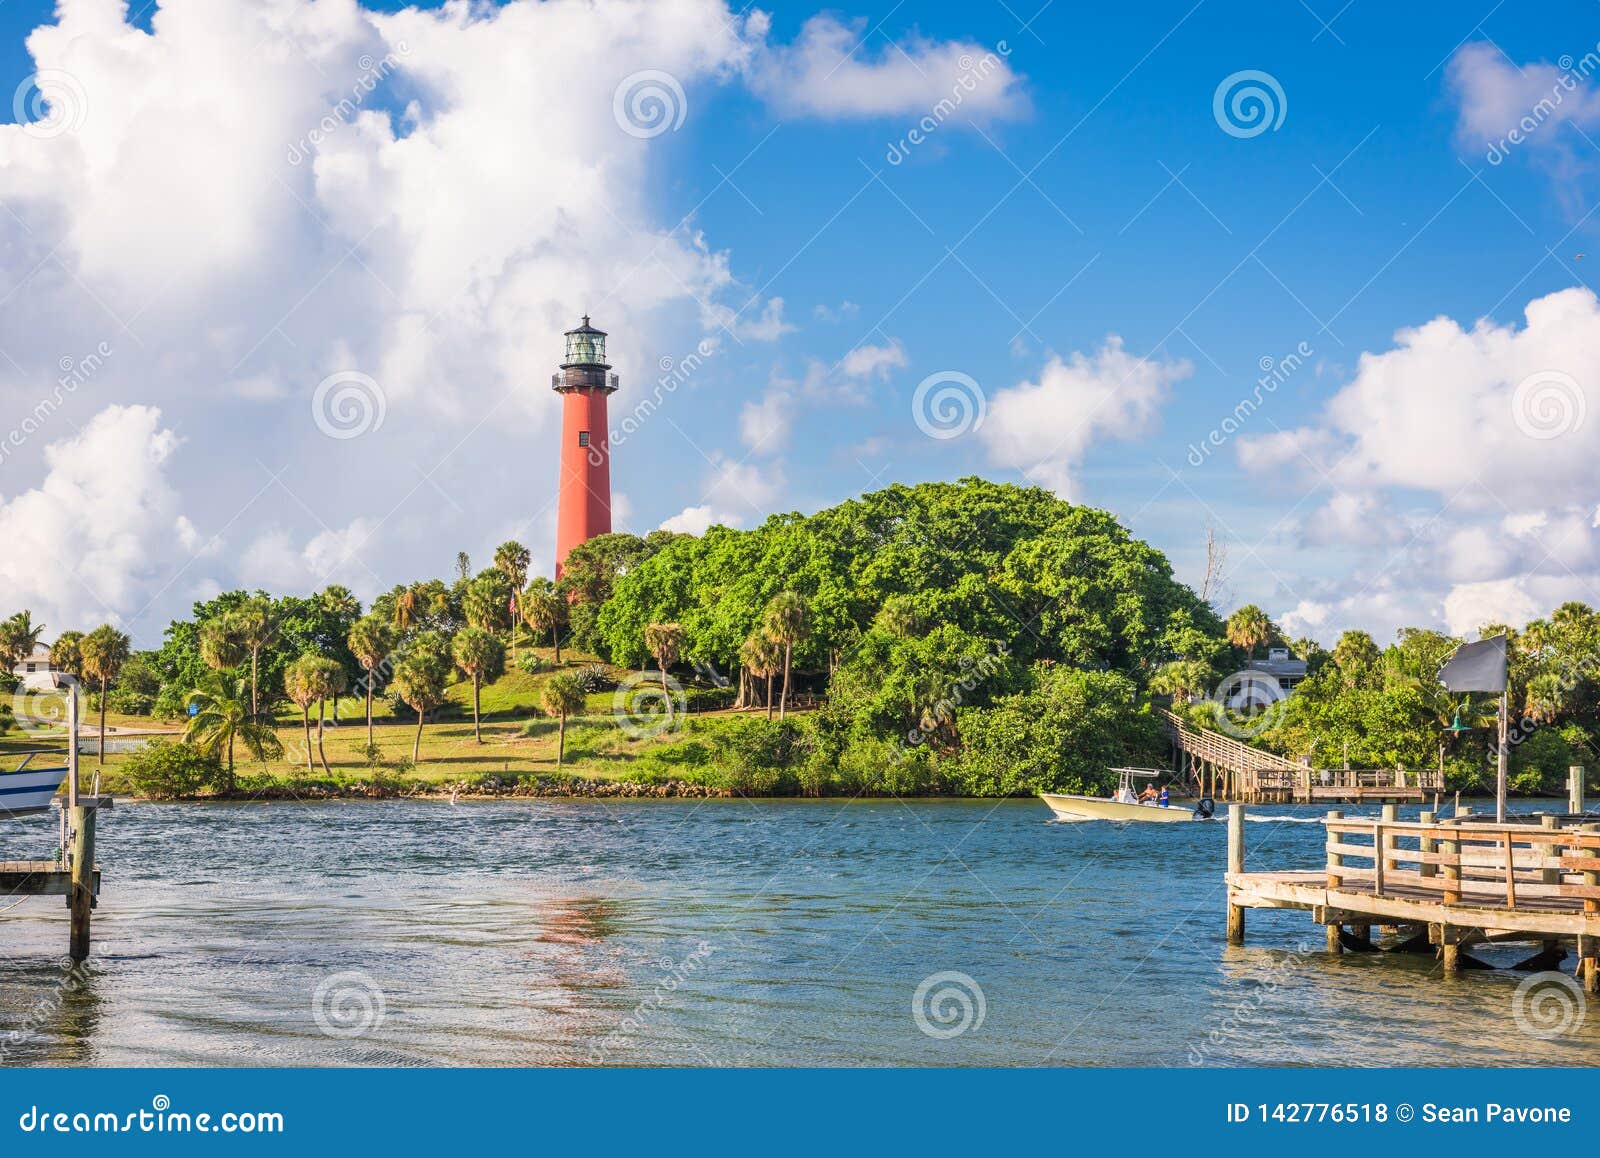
(1575, 801)
(1426, 844)
(1235, 865)
(1335, 860)
(81, 899)
(1589, 964)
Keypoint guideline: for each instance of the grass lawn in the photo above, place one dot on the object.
(519, 740)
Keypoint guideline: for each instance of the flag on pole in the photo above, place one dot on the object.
(1476, 667)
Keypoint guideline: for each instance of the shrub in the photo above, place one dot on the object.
(594, 677)
(165, 771)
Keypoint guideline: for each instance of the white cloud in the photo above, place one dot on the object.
(696, 520)
(1470, 606)
(764, 423)
(1043, 428)
(1500, 101)
(868, 362)
(89, 543)
(829, 72)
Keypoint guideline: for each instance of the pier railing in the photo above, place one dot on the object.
(1507, 866)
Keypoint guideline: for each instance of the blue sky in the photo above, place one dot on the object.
(1086, 192)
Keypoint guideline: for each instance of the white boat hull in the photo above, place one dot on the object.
(1081, 808)
(29, 791)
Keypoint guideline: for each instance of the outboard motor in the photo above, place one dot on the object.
(1205, 808)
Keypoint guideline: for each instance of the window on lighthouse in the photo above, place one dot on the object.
(583, 438)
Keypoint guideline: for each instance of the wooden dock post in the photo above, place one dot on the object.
(1590, 964)
(1335, 860)
(1425, 844)
(1575, 802)
(1235, 865)
(81, 898)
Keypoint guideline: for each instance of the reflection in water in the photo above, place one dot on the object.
(710, 933)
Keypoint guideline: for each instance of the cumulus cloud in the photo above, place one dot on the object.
(1501, 104)
(695, 520)
(1043, 428)
(834, 71)
(868, 362)
(254, 195)
(1487, 410)
(94, 539)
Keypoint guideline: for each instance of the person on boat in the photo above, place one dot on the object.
(1166, 800)
(1149, 794)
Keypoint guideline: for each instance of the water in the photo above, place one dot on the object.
(710, 932)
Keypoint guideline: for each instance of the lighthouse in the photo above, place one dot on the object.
(584, 384)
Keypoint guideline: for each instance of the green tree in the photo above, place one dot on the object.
(220, 647)
(419, 679)
(66, 654)
(372, 641)
(665, 642)
(486, 602)
(482, 657)
(762, 657)
(563, 696)
(104, 650)
(220, 716)
(254, 624)
(511, 559)
(544, 609)
(19, 635)
(1355, 655)
(787, 621)
(300, 684)
(1249, 628)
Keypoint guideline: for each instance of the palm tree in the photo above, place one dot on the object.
(665, 642)
(19, 635)
(762, 657)
(65, 653)
(788, 620)
(512, 559)
(1249, 628)
(543, 609)
(486, 603)
(219, 646)
(372, 642)
(299, 684)
(563, 696)
(1180, 679)
(419, 681)
(329, 681)
(254, 624)
(407, 606)
(482, 657)
(219, 718)
(104, 651)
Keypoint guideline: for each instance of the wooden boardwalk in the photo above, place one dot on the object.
(1444, 884)
(1224, 768)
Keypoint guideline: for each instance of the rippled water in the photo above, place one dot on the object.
(709, 933)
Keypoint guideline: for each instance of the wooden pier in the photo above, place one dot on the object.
(74, 874)
(1226, 769)
(1441, 886)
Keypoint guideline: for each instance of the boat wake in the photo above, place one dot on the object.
(1283, 819)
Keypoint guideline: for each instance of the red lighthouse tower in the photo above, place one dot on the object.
(584, 383)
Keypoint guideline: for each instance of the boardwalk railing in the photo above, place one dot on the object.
(1217, 749)
(1508, 866)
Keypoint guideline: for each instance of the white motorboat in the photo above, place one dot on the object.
(1124, 806)
(25, 790)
